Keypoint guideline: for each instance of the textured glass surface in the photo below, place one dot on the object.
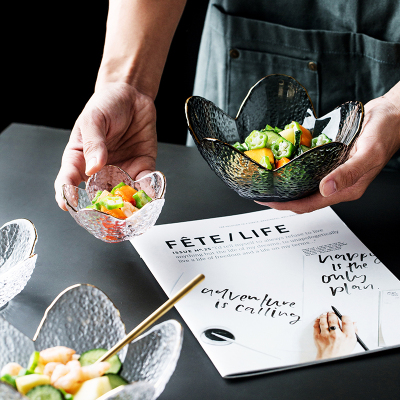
(83, 317)
(14, 345)
(104, 226)
(152, 357)
(17, 258)
(134, 391)
(275, 100)
(8, 393)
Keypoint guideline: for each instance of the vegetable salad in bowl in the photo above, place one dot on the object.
(121, 202)
(275, 147)
(58, 373)
(278, 115)
(78, 328)
(113, 207)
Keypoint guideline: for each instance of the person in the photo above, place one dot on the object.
(333, 339)
(337, 51)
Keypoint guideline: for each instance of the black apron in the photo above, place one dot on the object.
(338, 50)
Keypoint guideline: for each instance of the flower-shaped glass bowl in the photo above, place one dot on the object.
(104, 226)
(82, 317)
(17, 259)
(275, 100)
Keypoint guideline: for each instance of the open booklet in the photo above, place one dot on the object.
(269, 275)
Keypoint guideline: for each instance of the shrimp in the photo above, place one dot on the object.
(49, 368)
(69, 381)
(56, 354)
(59, 371)
(128, 209)
(94, 370)
(11, 368)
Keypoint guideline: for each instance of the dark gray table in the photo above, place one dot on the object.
(29, 161)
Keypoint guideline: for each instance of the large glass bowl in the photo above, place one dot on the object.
(82, 317)
(105, 227)
(17, 259)
(275, 100)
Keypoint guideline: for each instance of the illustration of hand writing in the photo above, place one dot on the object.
(331, 339)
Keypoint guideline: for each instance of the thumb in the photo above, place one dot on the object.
(346, 175)
(348, 326)
(93, 134)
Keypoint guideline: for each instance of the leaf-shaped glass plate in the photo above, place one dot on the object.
(275, 100)
(17, 259)
(82, 317)
(104, 226)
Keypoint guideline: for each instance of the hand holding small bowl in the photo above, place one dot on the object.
(106, 227)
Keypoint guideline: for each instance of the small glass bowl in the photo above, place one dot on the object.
(17, 259)
(105, 227)
(82, 317)
(275, 100)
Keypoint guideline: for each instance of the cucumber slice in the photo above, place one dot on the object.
(7, 378)
(141, 198)
(91, 356)
(24, 371)
(95, 198)
(111, 203)
(116, 380)
(33, 361)
(117, 187)
(272, 138)
(67, 396)
(44, 392)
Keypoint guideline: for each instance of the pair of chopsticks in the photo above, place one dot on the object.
(152, 318)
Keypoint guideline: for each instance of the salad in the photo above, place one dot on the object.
(121, 202)
(275, 147)
(58, 373)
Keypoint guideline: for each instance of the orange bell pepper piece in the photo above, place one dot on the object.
(116, 212)
(126, 192)
(282, 162)
(306, 137)
(258, 154)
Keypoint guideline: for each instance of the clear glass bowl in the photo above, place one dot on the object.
(17, 259)
(82, 317)
(275, 100)
(104, 226)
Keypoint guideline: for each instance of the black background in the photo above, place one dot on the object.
(51, 54)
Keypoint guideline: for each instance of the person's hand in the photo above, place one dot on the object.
(118, 127)
(334, 342)
(378, 141)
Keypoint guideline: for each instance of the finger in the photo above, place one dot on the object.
(318, 201)
(93, 129)
(323, 323)
(348, 326)
(333, 320)
(348, 174)
(142, 174)
(308, 204)
(317, 329)
(71, 173)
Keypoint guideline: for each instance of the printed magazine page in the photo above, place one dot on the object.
(268, 276)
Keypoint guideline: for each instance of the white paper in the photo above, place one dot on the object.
(389, 317)
(268, 276)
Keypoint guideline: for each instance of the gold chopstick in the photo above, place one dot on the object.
(152, 318)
